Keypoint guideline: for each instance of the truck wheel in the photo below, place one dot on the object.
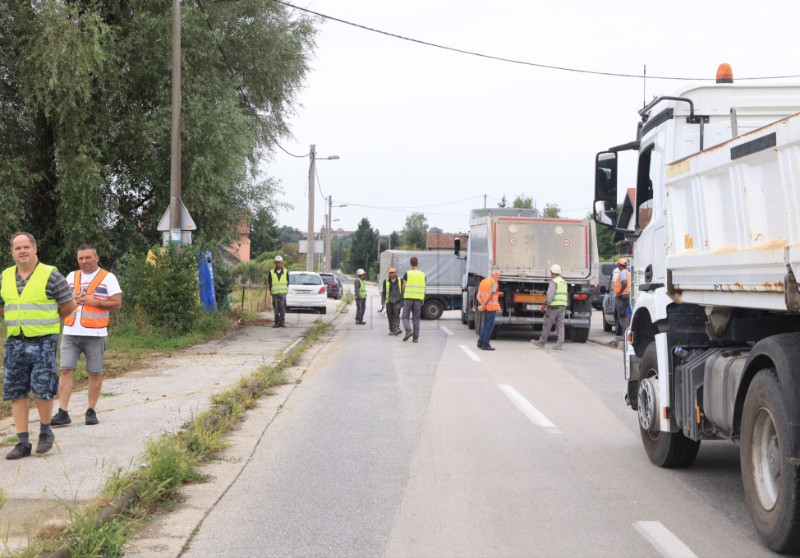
(432, 310)
(665, 449)
(771, 482)
(579, 334)
(463, 317)
(471, 324)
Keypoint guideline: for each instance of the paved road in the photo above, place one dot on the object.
(437, 449)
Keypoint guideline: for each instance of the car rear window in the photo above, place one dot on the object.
(304, 279)
(326, 276)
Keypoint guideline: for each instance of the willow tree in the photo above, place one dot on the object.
(85, 115)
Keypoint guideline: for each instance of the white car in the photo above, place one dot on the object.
(306, 290)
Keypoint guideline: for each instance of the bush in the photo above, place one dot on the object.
(161, 290)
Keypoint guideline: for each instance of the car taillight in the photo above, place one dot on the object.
(321, 290)
(580, 296)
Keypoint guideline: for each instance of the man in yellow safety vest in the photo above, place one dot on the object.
(278, 280)
(34, 298)
(554, 308)
(413, 295)
(360, 291)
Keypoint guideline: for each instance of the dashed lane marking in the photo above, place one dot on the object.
(533, 414)
(472, 356)
(663, 540)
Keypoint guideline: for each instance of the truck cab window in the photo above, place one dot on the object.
(644, 187)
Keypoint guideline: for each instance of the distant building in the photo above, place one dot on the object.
(240, 247)
(445, 241)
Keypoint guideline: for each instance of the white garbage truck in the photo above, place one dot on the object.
(523, 245)
(713, 347)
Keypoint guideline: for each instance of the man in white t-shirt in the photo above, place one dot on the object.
(97, 293)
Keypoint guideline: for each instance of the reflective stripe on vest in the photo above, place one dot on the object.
(91, 316)
(488, 295)
(618, 285)
(362, 288)
(30, 313)
(415, 285)
(560, 299)
(280, 285)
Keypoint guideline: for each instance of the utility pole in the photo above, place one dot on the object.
(175, 145)
(311, 172)
(328, 236)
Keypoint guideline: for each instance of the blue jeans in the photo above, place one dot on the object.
(486, 330)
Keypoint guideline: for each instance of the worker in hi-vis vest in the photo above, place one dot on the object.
(278, 280)
(360, 290)
(413, 295)
(554, 308)
(622, 293)
(489, 304)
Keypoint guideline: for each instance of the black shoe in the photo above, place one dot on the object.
(61, 418)
(276, 325)
(45, 443)
(487, 348)
(398, 332)
(408, 335)
(91, 417)
(20, 450)
(415, 340)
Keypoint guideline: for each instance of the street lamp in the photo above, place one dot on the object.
(328, 233)
(312, 170)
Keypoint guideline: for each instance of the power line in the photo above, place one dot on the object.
(510, 60)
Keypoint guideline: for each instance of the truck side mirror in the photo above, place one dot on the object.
(605, 188)
(457, 243)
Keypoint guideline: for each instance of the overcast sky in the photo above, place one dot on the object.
(434, 131)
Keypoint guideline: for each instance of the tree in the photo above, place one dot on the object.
(606, 246)
(394, 240)
(552, 211)
(86, 119)
(503, 202)
(364, 249)
(522, 202)
(264, 233)
(415, 233)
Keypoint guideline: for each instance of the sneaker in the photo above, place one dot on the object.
(61, 418)
(415, 340)
(559, 346)
(408, 335)
(20, 450)
(487, 348)
(45, 443)
(398, 332)
(539, 344)
(91, 417)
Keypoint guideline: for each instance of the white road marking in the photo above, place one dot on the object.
(663, 540)
(533, 414)
(447, 331)
(470, 354)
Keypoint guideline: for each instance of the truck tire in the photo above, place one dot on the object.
(463, 317)
(665, 449)
(579, 334)
(471, 324)
(432, 309)
(771, 482)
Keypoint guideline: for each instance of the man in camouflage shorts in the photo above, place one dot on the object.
(34, 298)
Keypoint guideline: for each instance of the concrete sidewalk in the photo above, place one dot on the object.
(132, 409)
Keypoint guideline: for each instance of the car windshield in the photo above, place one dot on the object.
(304, 279)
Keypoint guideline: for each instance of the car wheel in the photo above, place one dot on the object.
(323, 310)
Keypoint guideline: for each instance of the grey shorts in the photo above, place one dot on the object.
(93, 347)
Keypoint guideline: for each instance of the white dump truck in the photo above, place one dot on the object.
(713, 348)
(523, 246)
(443, 274)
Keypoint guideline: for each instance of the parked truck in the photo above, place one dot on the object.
(713, 347)
(523, 246)
(443, 275)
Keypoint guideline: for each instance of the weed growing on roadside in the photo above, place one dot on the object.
(91, 538)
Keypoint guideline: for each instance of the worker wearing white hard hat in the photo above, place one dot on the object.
(360, 290)
(554, 308)
(278, 281)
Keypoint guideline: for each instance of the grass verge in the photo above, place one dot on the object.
(173, 460)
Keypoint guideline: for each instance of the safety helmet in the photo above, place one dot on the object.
(278, 259)
(360, 271)
(555, 268)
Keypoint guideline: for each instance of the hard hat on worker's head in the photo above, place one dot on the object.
(622, 261)
(360, 272)
(278, 259)
(555, 269)
(392, 270)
